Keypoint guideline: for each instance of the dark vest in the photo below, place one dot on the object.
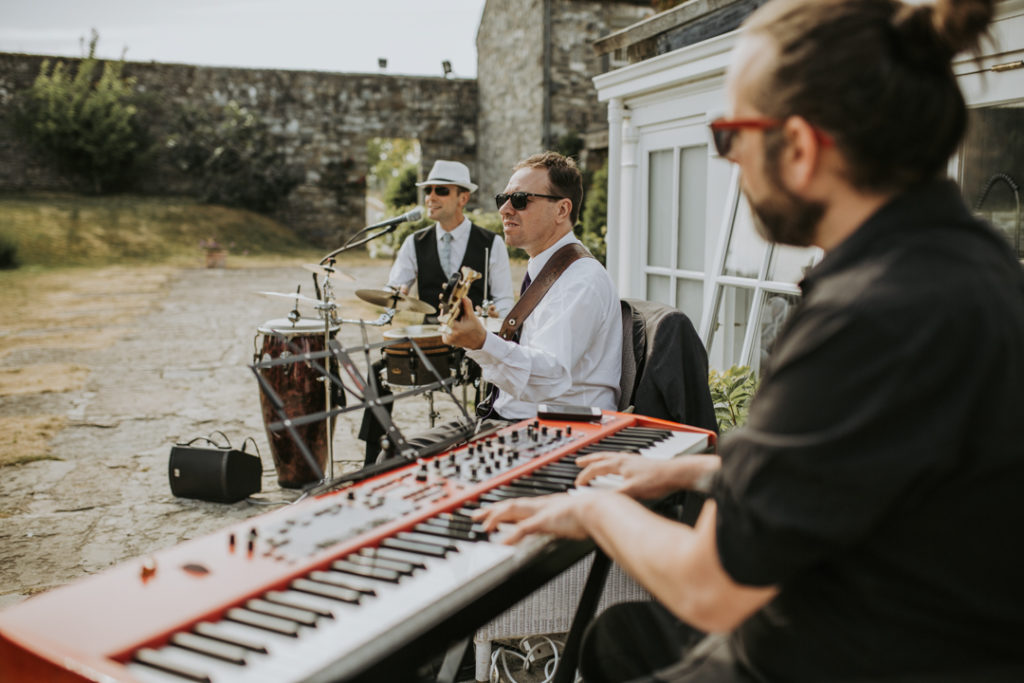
(431, 279)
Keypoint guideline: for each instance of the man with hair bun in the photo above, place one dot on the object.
(864, 524)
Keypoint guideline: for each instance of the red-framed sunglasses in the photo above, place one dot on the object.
(724, 131)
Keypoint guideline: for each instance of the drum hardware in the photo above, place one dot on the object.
(317, 303)
(393, 299)
(328, 270)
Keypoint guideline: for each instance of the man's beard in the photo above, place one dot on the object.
(782, 217)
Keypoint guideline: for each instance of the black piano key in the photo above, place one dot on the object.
(495, 497)
(553, 478)
(426, 539)
(524, 489)
(471, 505)
(413, 547)
(298, 615)
(641, 442)
(397, 555)
(455, 517)
(213, 648)
(406, 568)
(564, 468)
(296, 600)
(285, 627)
(608, 448)
(158, 660)
(554, 485)
(325, 590)
(342, 581)
(210, 630)
(444, 531)
(357, 569)
(455, 523)
(541, 483)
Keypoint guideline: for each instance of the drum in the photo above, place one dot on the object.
(404, 365)
(301, 390)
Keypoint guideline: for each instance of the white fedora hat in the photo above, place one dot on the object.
(449, 173)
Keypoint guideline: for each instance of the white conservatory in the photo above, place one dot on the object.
(679, 231)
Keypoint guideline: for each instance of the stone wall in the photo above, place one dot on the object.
(529, 100)
(323, 121)
(510, 77)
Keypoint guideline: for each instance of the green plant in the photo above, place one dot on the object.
(731, 392)
(594, 226)
(9, 259)
(234, 156)
(88, 123)
(401, 189)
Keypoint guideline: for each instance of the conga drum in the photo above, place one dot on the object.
(403, 363)
(301, 389)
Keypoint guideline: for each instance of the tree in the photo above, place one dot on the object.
(89, 124)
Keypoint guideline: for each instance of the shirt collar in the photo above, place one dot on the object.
(458, 233)
(933, 202)
(537, 263)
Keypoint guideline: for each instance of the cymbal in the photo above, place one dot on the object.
(297, 297)
(328, 271)
(389, 298)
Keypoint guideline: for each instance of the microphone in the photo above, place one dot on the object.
(412, 215)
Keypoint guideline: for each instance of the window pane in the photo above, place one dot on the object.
(690, 299)
(659, 288)
(789, 263)
(745, 252)
(730, 326)
(659, 209)
(993, 168)
(693, 185)
(773, 314)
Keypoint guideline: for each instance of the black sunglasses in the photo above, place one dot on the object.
(439, 190)
(520, 199)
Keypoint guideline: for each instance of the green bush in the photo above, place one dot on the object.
(9, 259)
(89, 123)
(401, 189)
(731, 392)
(594, 226)
(234, 156)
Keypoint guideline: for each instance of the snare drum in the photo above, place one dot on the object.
(404, 365)
(302, 390)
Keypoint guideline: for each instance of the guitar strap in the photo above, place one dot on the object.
(552, 270)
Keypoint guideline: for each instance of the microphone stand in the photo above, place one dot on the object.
(352, 245)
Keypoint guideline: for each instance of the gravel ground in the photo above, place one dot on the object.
(177, 368)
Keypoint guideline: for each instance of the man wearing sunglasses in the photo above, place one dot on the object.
(570, 346)
(429, 256)
(861, 524)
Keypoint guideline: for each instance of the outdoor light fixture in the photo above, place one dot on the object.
(447, 66)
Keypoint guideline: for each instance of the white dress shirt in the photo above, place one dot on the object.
(499, 274)
(570, 348)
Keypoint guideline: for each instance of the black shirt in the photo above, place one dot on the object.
(879, 479)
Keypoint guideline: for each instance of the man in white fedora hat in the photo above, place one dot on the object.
(431, 255)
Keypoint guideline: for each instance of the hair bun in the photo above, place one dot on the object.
(950, 25)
